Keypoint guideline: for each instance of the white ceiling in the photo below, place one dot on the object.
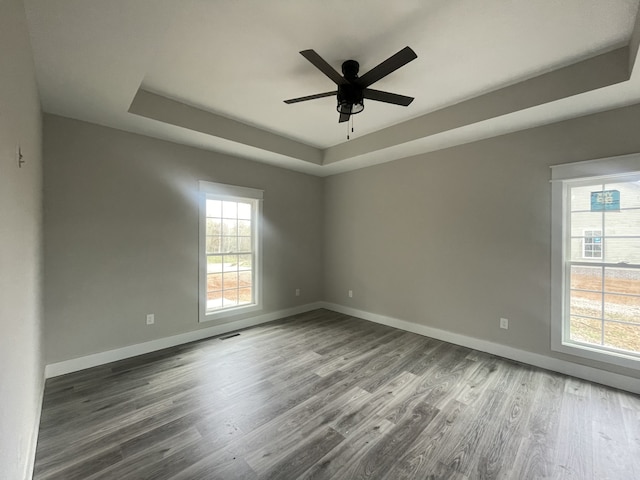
(238, 60)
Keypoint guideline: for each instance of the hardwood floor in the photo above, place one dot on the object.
(326, 396)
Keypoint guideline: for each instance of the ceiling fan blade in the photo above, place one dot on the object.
(310, 97)
(323, 66)
(387, 97)
(390, 65)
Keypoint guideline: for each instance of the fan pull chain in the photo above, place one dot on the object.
(350, 121)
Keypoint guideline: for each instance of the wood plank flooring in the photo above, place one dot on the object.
(326, 396)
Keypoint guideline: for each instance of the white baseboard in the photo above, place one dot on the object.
(88, 361)
(31, 458)
(603, 377)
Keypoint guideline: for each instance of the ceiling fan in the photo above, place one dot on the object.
(352, 90)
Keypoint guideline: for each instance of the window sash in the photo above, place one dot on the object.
(592, 173)
(230, 299)
(590, 234)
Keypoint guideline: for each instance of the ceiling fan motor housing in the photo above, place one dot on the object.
(350, 69)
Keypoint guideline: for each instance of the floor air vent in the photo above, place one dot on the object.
(231, 335)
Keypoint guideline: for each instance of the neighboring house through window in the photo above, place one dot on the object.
(592, 244)
(596, 259)
(230, 257)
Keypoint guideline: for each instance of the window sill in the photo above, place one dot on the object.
(214, 316)
(584, 351)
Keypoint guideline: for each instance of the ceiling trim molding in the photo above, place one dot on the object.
(596, 72)
(634, 44)
(587, 75)
(163, 109)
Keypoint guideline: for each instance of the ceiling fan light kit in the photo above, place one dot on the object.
(350, 100)
(352, 90)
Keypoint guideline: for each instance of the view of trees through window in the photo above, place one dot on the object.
(230, 252)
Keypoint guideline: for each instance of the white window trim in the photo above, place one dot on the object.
(232, 192)
(561, 175)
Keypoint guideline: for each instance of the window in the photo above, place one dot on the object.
(592, 244)
(596, 260)
(229, 250)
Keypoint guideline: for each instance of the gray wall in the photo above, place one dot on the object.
(21, 372)
(458, 238)
(121, 236)
(454, 239)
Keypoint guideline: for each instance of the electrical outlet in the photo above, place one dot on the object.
(350, 293)
(297, 292)
(151, 319)
(504, 323)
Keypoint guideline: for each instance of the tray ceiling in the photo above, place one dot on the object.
(214, 74)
